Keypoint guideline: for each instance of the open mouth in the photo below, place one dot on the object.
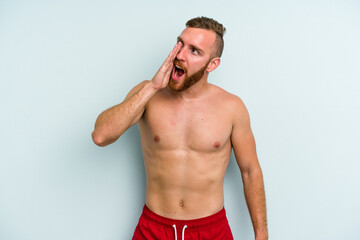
(177, 73)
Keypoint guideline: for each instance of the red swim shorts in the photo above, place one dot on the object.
(152, 226)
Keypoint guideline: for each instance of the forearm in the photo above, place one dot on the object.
(255, 198)
(113, 122)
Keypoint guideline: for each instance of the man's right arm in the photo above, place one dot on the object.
(113, 122)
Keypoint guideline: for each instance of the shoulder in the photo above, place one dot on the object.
(232, 103)
(229, 100)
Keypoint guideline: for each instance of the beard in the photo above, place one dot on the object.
(189, 80)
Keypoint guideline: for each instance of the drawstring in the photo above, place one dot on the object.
(174, 226)
(182, 234)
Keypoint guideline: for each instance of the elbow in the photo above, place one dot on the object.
(98, 139)
(102, 140)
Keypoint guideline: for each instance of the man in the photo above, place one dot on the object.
(188, 128)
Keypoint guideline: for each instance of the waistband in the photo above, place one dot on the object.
(192, 224)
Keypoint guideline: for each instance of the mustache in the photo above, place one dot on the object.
(180, 64)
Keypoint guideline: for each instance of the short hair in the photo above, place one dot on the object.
(213, 25)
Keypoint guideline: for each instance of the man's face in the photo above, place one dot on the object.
(191, 62)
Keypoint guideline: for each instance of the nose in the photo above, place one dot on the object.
(181, 54)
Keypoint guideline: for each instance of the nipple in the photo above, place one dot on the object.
(156, 139)
(217, 144)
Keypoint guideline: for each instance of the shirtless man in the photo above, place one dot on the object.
(188, 128)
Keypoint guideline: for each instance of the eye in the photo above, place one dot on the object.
(194, 51)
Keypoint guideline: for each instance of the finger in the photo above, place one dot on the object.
(173, 53)
(176, 49)
(168, 73)
(168, 64)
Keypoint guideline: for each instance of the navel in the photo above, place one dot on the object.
(181, 204)
(156, 139)
(217, 144)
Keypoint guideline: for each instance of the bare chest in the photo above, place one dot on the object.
(203, 127)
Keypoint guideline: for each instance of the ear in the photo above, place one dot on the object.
(213, 64)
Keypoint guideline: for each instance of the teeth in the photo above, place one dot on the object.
(178, 67)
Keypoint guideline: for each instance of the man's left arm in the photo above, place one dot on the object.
(243, 143)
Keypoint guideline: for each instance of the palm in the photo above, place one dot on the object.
(161, 78)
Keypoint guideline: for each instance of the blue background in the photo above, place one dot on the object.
(295, 64)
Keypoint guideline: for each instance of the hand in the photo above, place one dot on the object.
(161, 78)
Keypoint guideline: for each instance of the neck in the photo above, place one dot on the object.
(194, 92)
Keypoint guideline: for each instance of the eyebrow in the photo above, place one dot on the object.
(179, 39)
